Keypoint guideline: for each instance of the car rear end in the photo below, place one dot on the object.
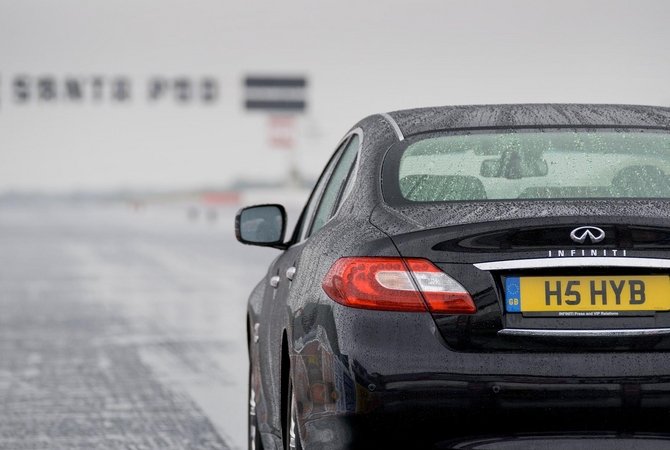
(526, 290)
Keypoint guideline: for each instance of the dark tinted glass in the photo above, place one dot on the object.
(317, 191)
(335, 184)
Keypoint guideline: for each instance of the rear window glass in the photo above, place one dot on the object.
(535, 165)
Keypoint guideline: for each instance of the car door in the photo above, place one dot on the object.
(274, 314)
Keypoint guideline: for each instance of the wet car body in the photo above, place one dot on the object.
(350, 377)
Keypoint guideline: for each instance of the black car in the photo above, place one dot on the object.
(470, 271)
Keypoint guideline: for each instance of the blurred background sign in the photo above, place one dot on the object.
(282, 131)
(276, 94)
(282, 98)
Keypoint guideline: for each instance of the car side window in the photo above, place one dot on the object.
(333, 190)
(317, 191)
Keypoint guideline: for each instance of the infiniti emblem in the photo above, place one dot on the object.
(580, 234)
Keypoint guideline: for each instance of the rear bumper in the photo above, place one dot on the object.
(392, 379)
(420, 412)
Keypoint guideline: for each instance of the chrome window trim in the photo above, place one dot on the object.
(394, 125)
(581, 261)
(614, 333)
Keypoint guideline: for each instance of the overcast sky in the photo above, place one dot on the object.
(360, 57)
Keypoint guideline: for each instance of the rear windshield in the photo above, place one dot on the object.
(533, 165)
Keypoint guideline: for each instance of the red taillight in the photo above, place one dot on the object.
(386, 284)
(356, 282)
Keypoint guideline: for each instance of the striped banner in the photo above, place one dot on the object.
(275, 94)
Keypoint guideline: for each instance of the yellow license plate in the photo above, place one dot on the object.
(601, 293)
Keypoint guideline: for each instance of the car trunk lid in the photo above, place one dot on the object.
(492, 256)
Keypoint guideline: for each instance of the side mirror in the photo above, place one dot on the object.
(263, 225)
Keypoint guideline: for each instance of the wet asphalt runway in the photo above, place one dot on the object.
(123, 329)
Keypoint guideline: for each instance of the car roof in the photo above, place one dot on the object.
(425, 120)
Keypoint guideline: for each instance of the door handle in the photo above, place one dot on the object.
(290, 272)
(274, 281)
